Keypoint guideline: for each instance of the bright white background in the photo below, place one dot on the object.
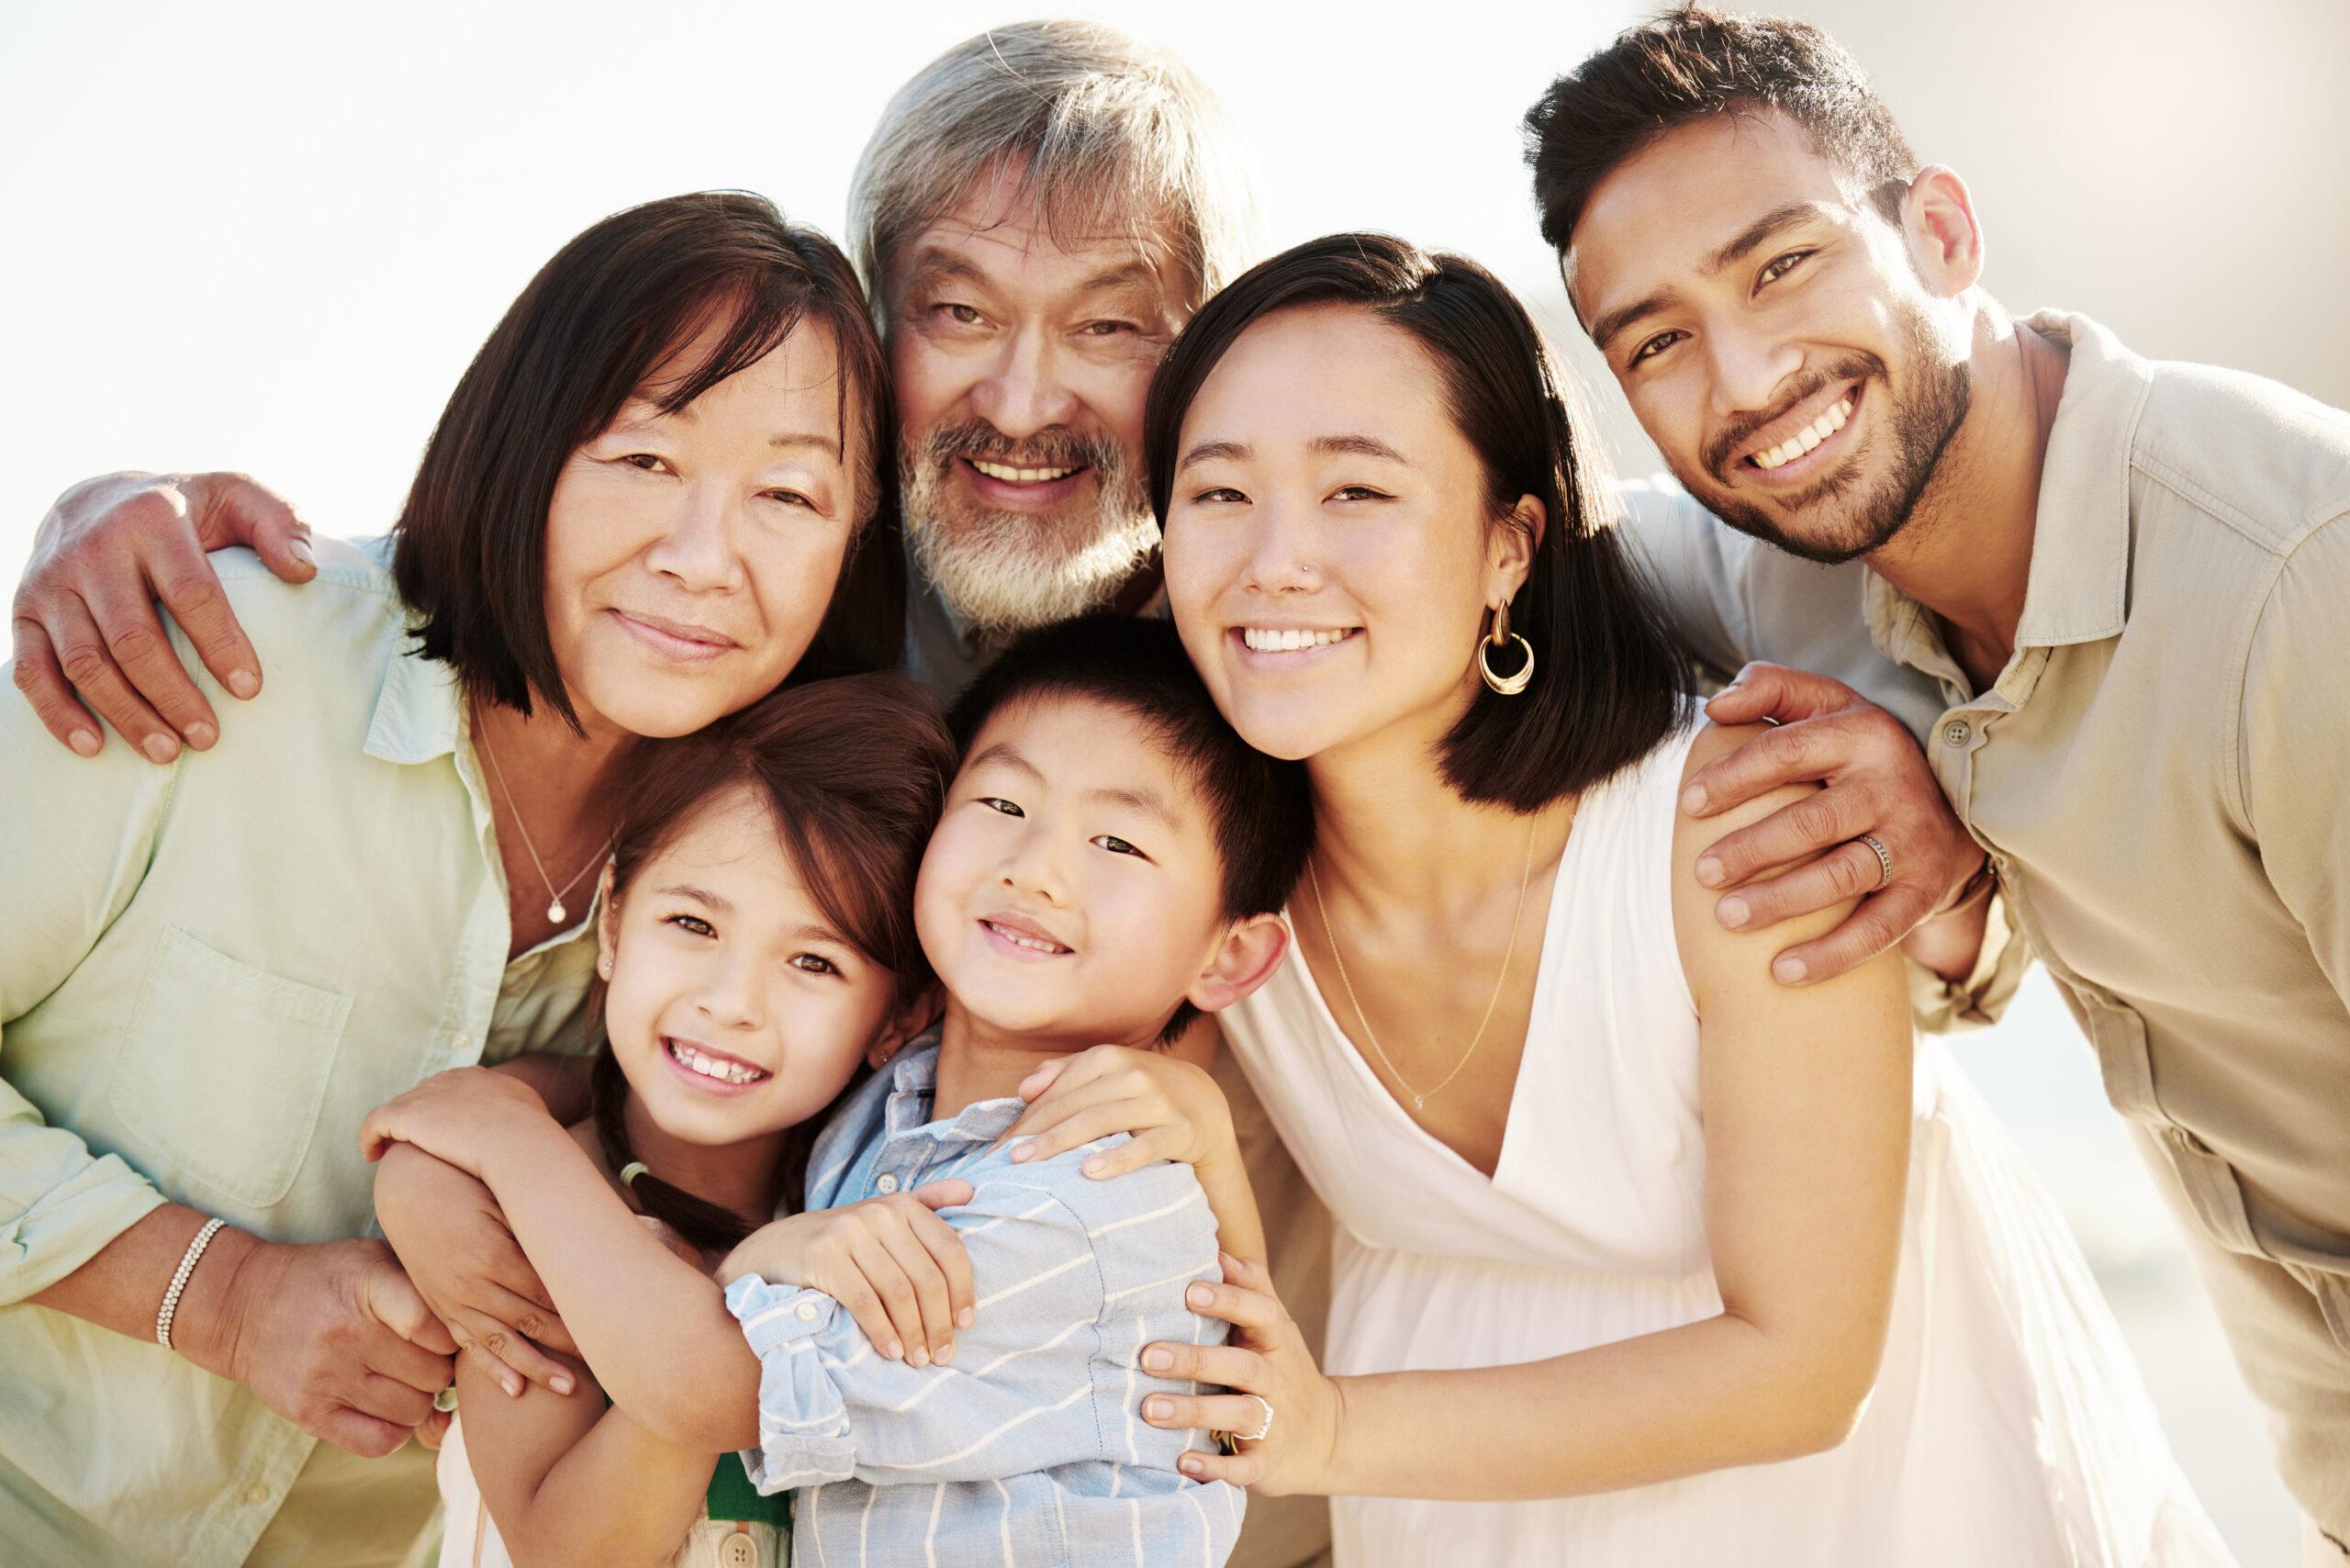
(270, 236)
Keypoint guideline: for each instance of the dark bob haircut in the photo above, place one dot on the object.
(594, 329)
(851, 773)
(1609, 676)
(1693, 64)
(1260, 809)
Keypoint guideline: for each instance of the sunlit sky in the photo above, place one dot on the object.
(269, 237)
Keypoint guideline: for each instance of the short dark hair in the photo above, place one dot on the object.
(603, 316)
(1609, 673)
(1689, 64)
(852, 773)
(1260, 809)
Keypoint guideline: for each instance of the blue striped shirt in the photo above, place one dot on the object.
(1031, 1447)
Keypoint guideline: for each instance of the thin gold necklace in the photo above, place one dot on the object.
(1420, 1099)
(555, 910)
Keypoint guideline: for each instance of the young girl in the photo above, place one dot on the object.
(756, 948)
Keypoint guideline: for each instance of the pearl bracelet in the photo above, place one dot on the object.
(179, 1279)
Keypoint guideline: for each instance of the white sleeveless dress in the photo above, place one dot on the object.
(2008, 1428)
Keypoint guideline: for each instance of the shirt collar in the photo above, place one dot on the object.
(914, 1084)
(418, 712)
(2078, 589)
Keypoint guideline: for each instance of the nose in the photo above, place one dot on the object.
(1284, 550)
(696, 550)
(1749, 367)
(730, 995)
(1032, 866)
(1025, 391)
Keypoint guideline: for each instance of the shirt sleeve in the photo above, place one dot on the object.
(1027, 1387)
(2294, 746)
(1679, 545)
(76, 838)
(1938, 1006)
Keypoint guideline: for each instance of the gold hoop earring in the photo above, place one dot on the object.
(1502, 636)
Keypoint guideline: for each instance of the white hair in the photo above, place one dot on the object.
(1099, 128)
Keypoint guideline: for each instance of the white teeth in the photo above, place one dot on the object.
(1020, 940)
(1021, 476)
(1811, 436)
(1268, 639)
(711, 1067)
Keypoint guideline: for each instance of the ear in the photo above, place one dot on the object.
(1509, 555)
(902, 1027)
(608, 925)
(1244, 958)
(1939, 226)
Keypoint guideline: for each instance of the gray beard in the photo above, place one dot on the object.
(1000, 572)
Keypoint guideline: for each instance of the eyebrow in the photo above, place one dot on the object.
(1150, 802)
(1132, 274)
(931, 264)
(1330, 445)
(1002, 752)
(829, 445)
(699, 895)
(1777, 220)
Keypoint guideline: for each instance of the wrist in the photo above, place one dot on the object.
(1977, 888)
(210, 1323)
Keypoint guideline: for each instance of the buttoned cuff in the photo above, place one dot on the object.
(804, 1421)
(67, 1219)
(1941, 1007)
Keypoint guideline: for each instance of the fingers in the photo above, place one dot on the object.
(952, 1192)
(473, 1334)
(42, 681)
(954, 1260)
(415, 1352)
(1226, 1366)
(433, 1430)
(1144, 1148)
(233, 508)
(1044, 1078)
(1254, 1310)
(353, 1432)
(89, 664)
(1205, 1412)
(1878, 925)
(1775, 692)
(1243, 1469)
(388, 1399)
(931, 1336)
(190, 589)
(1085, 1123)
(1823, 818)
(1846, 872)
(1793, 754)
(523, 1328)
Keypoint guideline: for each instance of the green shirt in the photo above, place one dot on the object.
(209, 973)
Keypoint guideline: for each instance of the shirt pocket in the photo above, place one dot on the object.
(225, 1068)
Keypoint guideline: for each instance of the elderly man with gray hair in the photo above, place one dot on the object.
(1038, 213)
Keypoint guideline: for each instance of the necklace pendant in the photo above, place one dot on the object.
(555, 912)
(1419, 1101)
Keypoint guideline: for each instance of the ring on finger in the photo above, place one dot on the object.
(1230, 1441)
(1883, 861)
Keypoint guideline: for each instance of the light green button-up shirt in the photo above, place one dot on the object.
(209, 973)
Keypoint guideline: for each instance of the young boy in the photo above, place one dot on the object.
(1109, 865)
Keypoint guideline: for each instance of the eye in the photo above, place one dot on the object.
(996, 803)
(814, 964)
(1359, 493)
(1120, 847)
(961, 315)
(1219, 494)
(692, 922)
(1780, 266)
(644, 460)
(1107, 329)
(1655, 345)
(790, 498)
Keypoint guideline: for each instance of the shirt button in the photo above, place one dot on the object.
(807, 1312)
(738, 1552)
(459, 1046)
(256, 1494)
(885, 1183)
(1958, 731)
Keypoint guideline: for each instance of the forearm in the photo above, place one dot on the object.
(694, 1383)
(121, 1287)
(1240, 1229)
(1951, 945)
(618, 1497)
(560, 1080)
(1704, 1396)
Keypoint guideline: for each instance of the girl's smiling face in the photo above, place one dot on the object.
(734, 1007)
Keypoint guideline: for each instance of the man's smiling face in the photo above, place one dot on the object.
(1768, 325)
(1022, 363)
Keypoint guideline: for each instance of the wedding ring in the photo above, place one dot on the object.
(1883, 861)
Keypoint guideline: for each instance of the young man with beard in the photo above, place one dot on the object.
(2107, 593)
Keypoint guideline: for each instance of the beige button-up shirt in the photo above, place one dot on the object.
(2158, 775)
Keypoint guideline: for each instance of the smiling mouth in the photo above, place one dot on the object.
(1291, 639)
(672, 640)
(719, 1070)
(1798, 454)
(1008, 474)
(1025, 941)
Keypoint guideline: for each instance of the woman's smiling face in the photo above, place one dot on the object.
(1328, 551)
(691, 555)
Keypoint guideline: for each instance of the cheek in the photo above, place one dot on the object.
(793, 576)
(925, 383)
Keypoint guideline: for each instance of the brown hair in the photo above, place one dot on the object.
(1689, 64)
(601, 320)
(853, 773)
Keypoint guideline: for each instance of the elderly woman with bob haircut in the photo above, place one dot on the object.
(661, 489)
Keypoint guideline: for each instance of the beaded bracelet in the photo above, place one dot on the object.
(179, 1279)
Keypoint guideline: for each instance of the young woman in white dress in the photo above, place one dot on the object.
(1644, 1259)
